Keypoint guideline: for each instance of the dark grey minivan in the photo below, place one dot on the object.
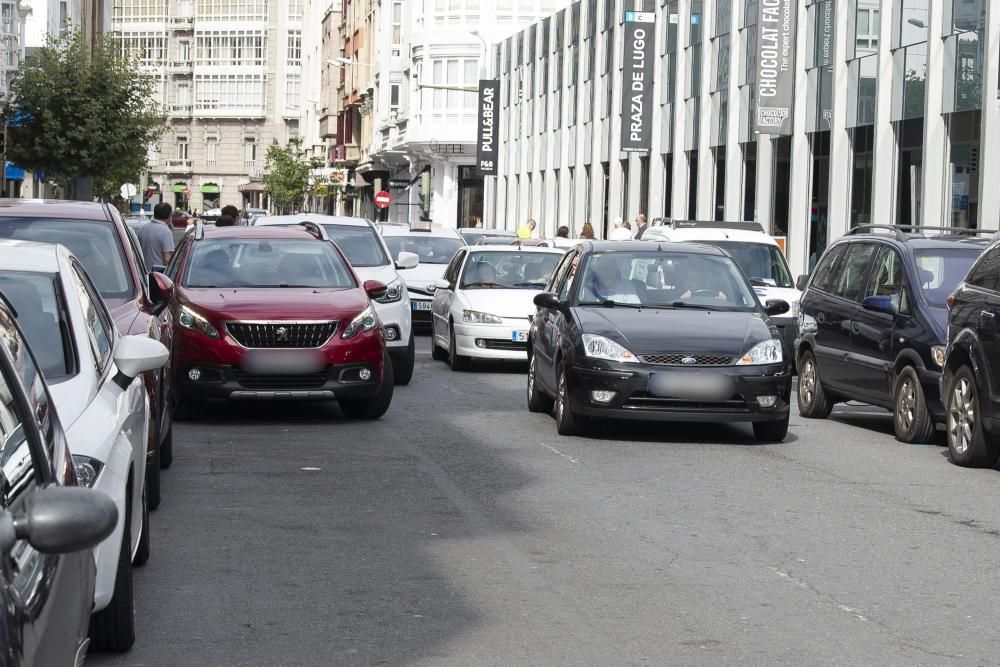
(48, 524)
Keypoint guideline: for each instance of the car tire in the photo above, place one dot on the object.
(538, 400)
(911, 418)
(403, 365)
(377, 405)
(968, 443)
(438, 353)
(188, 410)
(455, 360)
(167, 449)
(813, 401)
(567, 421)
(143, 550)
(771, 431)
(152, 488)
(113, 628)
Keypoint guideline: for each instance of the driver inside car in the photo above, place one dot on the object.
(691, 282)
(605, 283)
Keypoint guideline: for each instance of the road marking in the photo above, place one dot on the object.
(311, 469)
(565, 456)
(802, 584)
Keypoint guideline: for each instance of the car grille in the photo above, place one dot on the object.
(678, 359)
(505, 345)
(645, 401)
(278, 382)
(281, 334)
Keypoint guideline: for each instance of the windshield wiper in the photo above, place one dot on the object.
(611, 303)
(530, 284)
(700, 306)
(482, 284)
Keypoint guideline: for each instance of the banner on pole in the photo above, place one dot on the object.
(487, 132)
(637, 84)
(775, 66)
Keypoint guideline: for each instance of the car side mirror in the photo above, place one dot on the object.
(776, 307)
(549, 300)
(879, 304)
(801, 282)
(375, 289)
(135, 355)
(159, 268)
(161, 291)
(59, 520)
(407, 260)
(441, 283)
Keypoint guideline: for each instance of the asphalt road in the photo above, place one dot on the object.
(461, 530)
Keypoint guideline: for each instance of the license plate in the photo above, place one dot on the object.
(519, 336)
(281, 362)
(690, 386)
(421, 305)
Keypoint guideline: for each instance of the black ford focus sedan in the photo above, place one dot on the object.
(656, 331)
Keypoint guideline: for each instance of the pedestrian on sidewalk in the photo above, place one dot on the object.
(527, 230)
(587, 232)
(640, 226)
(562, 239)
(621, 232)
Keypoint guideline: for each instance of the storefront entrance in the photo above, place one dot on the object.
(470, 197)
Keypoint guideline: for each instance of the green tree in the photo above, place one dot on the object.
(287, 181)
(82, 110)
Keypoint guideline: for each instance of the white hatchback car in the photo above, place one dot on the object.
(435, 248)
(364, 248)
(93, 376)
(757, 254)
(484, 304)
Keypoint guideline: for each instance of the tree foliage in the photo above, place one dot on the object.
(287, 181)
(83, 110)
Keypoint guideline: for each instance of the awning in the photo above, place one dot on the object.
(180, 187)
(252, 187)
(359, 181)
(209, 189)
(14, 173)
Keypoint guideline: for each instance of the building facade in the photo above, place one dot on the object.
(230, 79)
(895, 103)
(409, 101)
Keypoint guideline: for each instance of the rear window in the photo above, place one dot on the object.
(940, 270)
(430, 249)
(95, 244)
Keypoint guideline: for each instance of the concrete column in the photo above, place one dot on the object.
(678, 206)
(799, 207)
(886, 159)
(706, 159)
(765, 181)
(654, 207)
(734, 156)
(989, 169)
(841, 159)
(936, 186)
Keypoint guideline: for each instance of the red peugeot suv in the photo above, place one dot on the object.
(275, 313)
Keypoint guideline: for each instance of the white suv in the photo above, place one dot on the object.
(435, 248)
(757, 254)
(364, 248)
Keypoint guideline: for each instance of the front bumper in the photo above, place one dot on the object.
(336, 381)
(633, 400)
(493, 341)
(396, 316)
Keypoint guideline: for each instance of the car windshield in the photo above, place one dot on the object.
(430, 249)
(94, 243)
(764, 264)
(509, 270)
(661, 279)
(42, 316)
(359, 244)
(236, 262)
(940, 270)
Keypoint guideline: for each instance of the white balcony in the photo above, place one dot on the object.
(177, 166)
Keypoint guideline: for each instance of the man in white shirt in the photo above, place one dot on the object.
(621, 232)
(604, 283)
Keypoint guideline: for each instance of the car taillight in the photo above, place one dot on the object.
(950, 301)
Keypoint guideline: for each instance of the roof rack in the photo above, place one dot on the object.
(904, 232)
(713, 224)
(315, 229)
(199, 230)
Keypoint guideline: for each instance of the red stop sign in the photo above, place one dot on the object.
(383, 199)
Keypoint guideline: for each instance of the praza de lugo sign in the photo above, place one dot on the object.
(637, 84)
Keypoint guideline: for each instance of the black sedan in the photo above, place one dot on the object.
(657, 331)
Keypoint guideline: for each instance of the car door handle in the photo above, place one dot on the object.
(987, 315)
(855, 328)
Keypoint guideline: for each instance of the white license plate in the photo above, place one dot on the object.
(421, 305)
(691, 386)
(280, 362)
(519, 336)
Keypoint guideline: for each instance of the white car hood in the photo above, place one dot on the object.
(513, 303)
(71, 397)
(385, 273)
(423, 275)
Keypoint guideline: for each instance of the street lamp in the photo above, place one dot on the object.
(916, 22)
(482, 54)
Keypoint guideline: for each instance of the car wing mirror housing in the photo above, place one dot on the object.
(407, 260)
(441, 283)
(375, 289)
(801, 282)
(161, 291)
(879, 304)
(776, 307)
(549, 300)
(135, 355)
(59, 520)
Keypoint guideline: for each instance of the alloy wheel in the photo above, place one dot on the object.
(961, 416)
(906, 405)
(807, 383)
(531, 377)
(561, 397)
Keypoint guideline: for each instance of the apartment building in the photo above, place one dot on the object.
(409, 101)
(895, 103)
(230, 77)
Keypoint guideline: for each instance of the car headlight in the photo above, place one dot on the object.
(189, 319)
(765, 352)
(937, 352)
(365, 321)
(88, 469)
(393, 292)
(476, 317)
(600, 347)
